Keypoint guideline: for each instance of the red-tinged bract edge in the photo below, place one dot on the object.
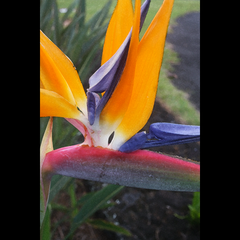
(141, 168)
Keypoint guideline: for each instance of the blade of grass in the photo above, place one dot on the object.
(104, 225)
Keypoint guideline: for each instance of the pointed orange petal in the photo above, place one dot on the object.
(51, 77)
(118, 28)
(52, 104)
(114, 111)
(149, 60)
(67, 69)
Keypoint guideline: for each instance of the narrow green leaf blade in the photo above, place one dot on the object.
(57, 183)
(104, 225)
(45, 233)
(73, 198)
(95, 203)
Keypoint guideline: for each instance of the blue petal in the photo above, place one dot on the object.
(134, 143)
(161, 134)
(92, 102)
(102, 79)
(173, 131)
(170, 134)
(113, 85)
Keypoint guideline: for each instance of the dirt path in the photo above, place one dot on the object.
(185, 38)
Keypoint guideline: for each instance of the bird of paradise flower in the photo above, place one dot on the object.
(119, 100)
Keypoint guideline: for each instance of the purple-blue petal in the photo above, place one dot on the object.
(92, 102)
(111, 88)
(103, 78)
(134, 143)
(161, 134)
(173, 131)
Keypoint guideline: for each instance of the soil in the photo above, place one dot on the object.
(147, 214)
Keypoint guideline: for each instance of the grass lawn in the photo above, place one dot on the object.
(174, 99)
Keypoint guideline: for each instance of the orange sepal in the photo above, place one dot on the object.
(118, 28)
(52, 104)
(51, 77)
(67, 70)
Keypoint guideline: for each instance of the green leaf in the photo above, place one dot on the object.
(70, 10)
(99, 18)
(71, 191)
(194, 214)
(45, 13)
(59, 207)
(57, 26)
(57, 183)
(93, 204)
(104, 225)
(42, 206)
(81, 11)
(194, 208)
(90, 59)
(85, 198)
(196, 200)
(45, 233)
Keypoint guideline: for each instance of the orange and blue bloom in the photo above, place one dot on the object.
(119, 100)
(121, 92)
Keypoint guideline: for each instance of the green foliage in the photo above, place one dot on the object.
(194, 215)
(88, 205)
(93, 204)
(58, 182)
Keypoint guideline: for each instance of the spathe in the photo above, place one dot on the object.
(141, 169)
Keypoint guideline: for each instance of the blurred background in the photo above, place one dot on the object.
(78, 28)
